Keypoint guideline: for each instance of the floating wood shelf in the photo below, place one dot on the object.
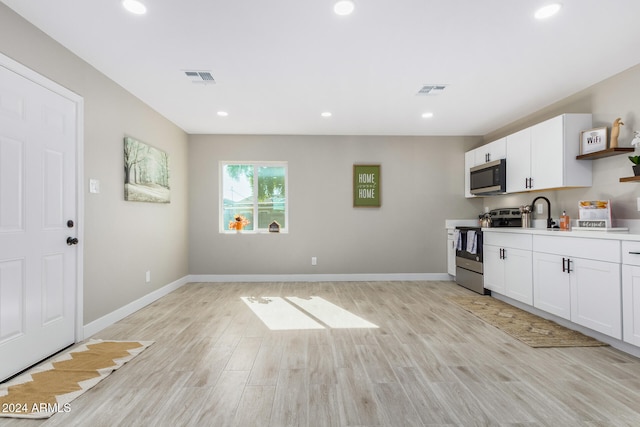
(630, 179)
(606, 153)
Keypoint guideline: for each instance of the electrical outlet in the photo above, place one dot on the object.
(314, 260)
(539, 207)
(147, 276)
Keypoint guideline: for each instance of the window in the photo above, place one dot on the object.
(255, 190)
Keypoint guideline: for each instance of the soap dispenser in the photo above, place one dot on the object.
(564, 221)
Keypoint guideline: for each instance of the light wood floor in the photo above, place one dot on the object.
(429, 364)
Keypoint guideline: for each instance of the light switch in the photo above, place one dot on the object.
(94, 186)
(638, 204)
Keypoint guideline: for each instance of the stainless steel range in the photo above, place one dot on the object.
(469, 267)
(506, 217)
(469, 271)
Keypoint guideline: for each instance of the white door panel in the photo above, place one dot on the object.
(37, 198)
(12, 284)
(11, 185)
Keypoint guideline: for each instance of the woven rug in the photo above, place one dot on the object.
(526, 327)
(50, 387)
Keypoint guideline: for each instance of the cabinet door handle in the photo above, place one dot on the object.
(634, 253)
(566, 269)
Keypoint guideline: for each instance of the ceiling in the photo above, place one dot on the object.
(279, 64)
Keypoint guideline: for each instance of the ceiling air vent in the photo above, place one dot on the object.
(431, 90)
(202, 77)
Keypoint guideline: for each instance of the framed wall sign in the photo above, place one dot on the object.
(593, 140)
(366, 186)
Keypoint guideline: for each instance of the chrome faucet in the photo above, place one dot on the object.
(549, 220)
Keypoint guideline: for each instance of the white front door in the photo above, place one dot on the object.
(38, 212)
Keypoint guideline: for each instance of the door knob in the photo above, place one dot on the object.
(72, 241)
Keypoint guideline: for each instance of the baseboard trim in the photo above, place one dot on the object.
(319, 277)
(119, 314)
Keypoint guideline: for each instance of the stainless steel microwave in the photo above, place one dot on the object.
(489, 178)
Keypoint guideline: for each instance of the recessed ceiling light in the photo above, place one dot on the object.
(427, 115)
(547, 11)
(222, 113)
(344, 7)
(135, 6)
(326, 114)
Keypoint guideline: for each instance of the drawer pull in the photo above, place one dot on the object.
(634, 253)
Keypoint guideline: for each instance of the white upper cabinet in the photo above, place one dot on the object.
(544, 156)
(469, 162)
(495, 150)
(490, 152)
(519, 161)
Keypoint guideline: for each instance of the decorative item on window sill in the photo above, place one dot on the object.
(238, 223)
(274, 227)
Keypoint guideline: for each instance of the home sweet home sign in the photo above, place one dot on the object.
(366, 186)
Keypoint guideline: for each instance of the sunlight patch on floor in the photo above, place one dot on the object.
(303, 313)
(279, 315)
(330, 314)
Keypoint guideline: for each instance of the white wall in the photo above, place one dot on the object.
(122, 239)
(618, 96)
(422, 185)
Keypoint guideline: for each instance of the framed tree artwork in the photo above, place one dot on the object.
(146, 173)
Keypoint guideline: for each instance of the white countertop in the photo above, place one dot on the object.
(453, 223)
(608, 235)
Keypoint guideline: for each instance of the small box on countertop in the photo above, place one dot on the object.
(594, 213)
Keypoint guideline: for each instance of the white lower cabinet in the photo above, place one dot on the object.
(631, 292)
(451, 252)
(507, 265)
(596, 296)
(551, 287)
(493, 268)
(631, 304)
(586, 291)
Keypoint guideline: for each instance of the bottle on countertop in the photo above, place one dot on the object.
(564, 221)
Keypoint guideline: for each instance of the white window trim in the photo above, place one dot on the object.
(221, 225)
